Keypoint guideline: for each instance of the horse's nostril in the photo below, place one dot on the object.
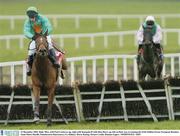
(42, 50)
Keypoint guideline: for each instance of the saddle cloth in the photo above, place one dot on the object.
(59, 56)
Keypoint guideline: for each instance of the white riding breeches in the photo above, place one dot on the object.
(32, 46)
(157, 38)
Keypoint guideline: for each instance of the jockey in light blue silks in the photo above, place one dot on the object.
(39, 24)
(157, 36)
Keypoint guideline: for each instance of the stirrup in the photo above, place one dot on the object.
(62, 74)
(28, 73)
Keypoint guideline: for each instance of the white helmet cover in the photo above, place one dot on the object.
(150, 18)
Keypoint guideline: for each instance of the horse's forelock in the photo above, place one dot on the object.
(41, 41)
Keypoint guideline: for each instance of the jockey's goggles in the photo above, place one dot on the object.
(150, 23)
(32, 14)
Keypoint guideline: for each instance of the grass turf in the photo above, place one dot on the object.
(114, 125)
(18, 7)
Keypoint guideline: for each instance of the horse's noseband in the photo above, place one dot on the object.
(43, 52)
(148, 43)
(42, 47)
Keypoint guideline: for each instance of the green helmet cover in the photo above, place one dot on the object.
(32, 12)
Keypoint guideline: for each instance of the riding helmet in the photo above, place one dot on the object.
(32, 12)
(150, 20)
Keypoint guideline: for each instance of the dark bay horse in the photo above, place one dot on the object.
(149, 61)
(44, 77)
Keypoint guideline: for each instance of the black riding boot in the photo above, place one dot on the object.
(160, 52)
(29, 62)
(138, 58)
(139, 54)
(53, 59)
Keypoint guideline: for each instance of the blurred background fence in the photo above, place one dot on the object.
(90, 69)
(93, 38)
(98, 17)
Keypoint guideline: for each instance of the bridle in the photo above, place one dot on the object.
(41, 46)
(150, 40)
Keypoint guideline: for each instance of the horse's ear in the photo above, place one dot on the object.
(46, 33)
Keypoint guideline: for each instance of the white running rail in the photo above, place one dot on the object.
(99, 18)
(93, 68)
(92, 38)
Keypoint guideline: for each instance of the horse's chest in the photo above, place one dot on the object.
(44, 77)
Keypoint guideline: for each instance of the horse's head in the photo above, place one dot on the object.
(148, 50)
(147, 36)
(41, 45)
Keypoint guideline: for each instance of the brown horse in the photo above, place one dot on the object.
(44, 77)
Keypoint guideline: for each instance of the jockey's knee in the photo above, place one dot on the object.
(32, 48)
(31, 52)
(50, 46)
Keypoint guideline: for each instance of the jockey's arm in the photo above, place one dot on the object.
(46, 26)
(27, 30)
(158, 35)
(140, 35)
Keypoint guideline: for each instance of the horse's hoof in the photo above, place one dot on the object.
(66, 122)
(36, 120)
(49, 124)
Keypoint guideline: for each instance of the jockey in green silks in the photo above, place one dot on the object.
(38, 24)
(157, 36)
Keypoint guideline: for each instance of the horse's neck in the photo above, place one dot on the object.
(41, 64)
(148, 53)
(43, 72)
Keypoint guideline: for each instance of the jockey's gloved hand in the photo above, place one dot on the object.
(161, 56)
(34, 37)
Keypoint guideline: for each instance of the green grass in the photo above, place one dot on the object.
(91, 6)
(18, 7)
(114, 125)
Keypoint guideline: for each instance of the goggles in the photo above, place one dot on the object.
(32, 14)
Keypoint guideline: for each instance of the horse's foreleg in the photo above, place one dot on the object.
(141, 76)
(49, 109)
(159, 71)
(36, 92)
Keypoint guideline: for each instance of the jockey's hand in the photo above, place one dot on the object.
(34, 37)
